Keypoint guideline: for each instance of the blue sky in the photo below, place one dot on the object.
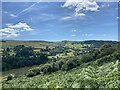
(59, 21)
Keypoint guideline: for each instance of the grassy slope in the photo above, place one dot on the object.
(102, 76)
(34, 44)
(15, 71)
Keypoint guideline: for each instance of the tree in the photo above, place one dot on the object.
(23, 51)
(68, 65)
(7, 49)
(106, 49)
(47, 68)
(10, 77)
(18, 47)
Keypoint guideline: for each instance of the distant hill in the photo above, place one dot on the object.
(98, 43)
(39, 44)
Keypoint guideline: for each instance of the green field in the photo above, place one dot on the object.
(34, 44)
(77, 46)
(15, 71)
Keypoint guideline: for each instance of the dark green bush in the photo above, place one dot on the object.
(31, 74)
(10, 77)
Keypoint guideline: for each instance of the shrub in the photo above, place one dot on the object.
(31, 74)
(10, 77)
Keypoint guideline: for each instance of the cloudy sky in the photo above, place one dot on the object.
(56, 21)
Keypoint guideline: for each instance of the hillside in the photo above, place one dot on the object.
(89, 77)
(66, 64)
(35, 44)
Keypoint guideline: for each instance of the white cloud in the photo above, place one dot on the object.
(73, 35)
(80, 14)
(9, 32)
(104, 34)
(5, 12)
(118, 17)
(75, 16)
(108, 5)
(66, 18)
(8, 24)
(12, 15)
(12, 35)
(105, 5)
(102, 6)
(74, 30)
(14, 30)
(82, 5)
(87, 34)
(20, 25)
(31, 19)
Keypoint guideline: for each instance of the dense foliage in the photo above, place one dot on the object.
(105, 76)
(25, 56)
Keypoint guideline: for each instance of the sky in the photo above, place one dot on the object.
(57, 21)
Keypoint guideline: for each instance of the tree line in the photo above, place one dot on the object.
(24, 56)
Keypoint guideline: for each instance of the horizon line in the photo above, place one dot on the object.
(60, 40)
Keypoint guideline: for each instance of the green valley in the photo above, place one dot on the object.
(65, 64)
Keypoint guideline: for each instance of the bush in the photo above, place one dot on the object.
(47, 68)
(68, 65)
(31, 74)
(10, 77)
